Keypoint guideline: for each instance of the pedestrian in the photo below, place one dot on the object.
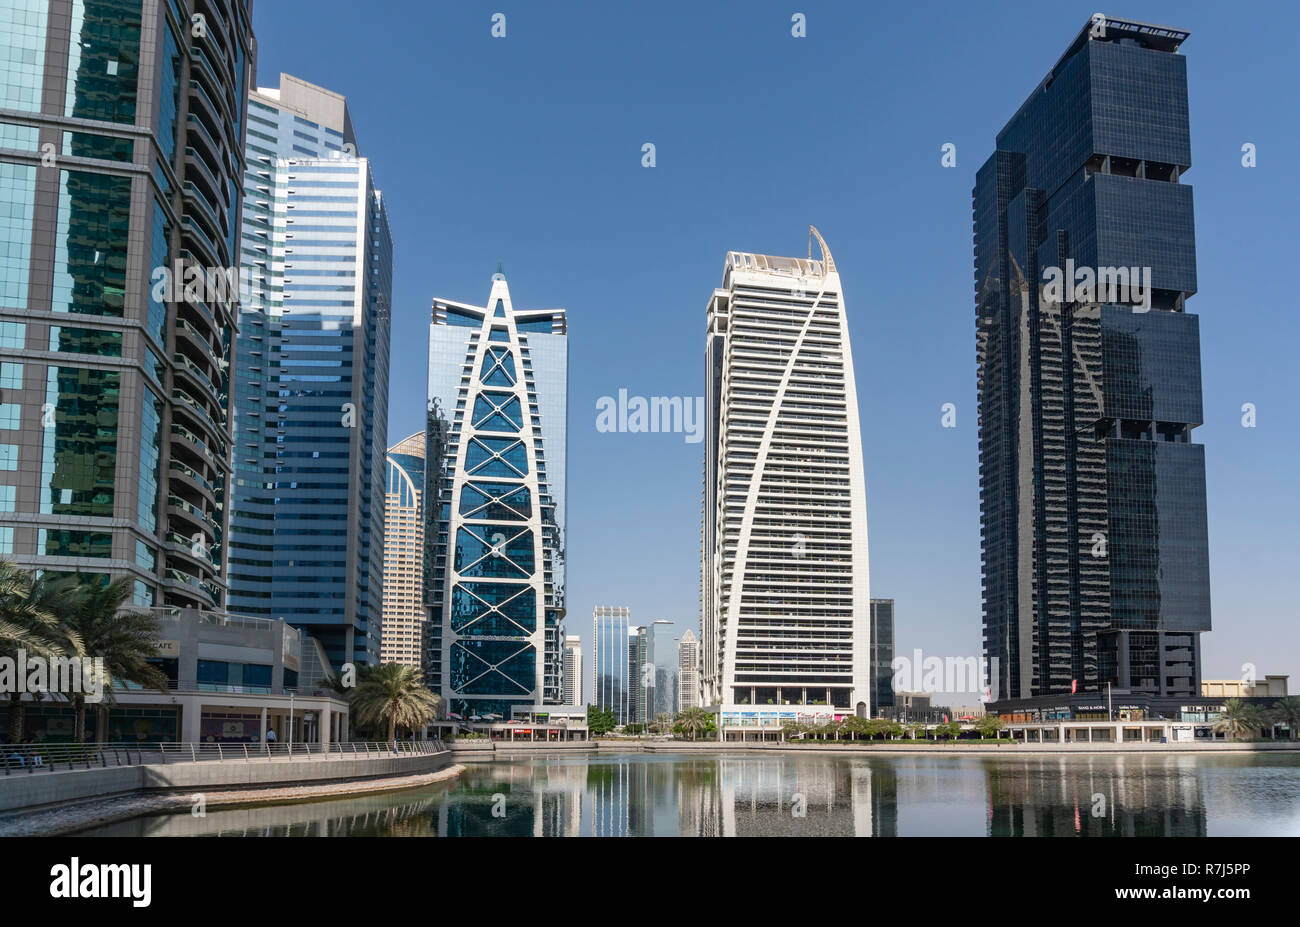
(270, 739)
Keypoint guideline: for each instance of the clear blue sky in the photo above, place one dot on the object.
(527, 150)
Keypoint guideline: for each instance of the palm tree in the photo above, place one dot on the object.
(694, 721)
(1287, 711)
(124, 639)
(29, 622)
(1238, 719)
(393, 695)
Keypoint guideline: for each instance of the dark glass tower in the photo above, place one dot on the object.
(1092, 496)
(122, 127)
(882, 653)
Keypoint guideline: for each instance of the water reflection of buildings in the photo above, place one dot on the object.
(673, 795)
(754, 795)
(1120, 796)
(782, 796)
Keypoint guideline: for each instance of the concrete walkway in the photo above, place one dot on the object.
(68, 819)
(28, 790)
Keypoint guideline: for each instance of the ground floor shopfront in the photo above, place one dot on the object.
(142, 717)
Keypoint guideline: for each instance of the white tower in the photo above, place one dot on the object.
(787, 608)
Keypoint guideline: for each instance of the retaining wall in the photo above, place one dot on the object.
(22, 789)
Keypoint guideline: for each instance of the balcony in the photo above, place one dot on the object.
(195, 515)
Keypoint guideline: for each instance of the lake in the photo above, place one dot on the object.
(810, 795)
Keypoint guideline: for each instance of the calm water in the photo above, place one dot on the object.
(748, 795)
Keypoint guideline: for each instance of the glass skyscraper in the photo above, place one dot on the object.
(610, 661)
(311, 393)
(1093, 517)
(641, 674)
(495, 498)
(121, 151)
(786, 603)
(882, 653)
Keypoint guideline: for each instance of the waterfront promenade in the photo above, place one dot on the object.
(466, 750)
(183, 770)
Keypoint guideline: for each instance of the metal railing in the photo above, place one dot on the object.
(34, 758)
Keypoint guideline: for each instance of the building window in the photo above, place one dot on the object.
(13, 335)
(103, 60)
(22, 63)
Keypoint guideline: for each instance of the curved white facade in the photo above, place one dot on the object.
(787, 610)
(402, 637)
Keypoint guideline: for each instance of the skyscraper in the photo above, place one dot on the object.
(786, 604)
(573, 670)
(882, 653)
(498, 406)
(609, 652)
(665, 692)
(688, 671)
(640, 674)
(121, 151)
(1093, 519)
(402, 639)
(311, 393)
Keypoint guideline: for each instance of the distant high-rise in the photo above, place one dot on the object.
(498, 407)
(573, 670)
(882, 653)
(402, 638)
(665, 700)
(1092, 494)
(311, 392)
(121, 159)
(786, 604)
(640, 674)
(609, 653)
(688, 671)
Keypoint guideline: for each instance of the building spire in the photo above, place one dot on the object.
(827, 261)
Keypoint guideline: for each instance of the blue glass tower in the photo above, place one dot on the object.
(611, 652)
(495, 481)
(1093, 517)
(311, 394)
